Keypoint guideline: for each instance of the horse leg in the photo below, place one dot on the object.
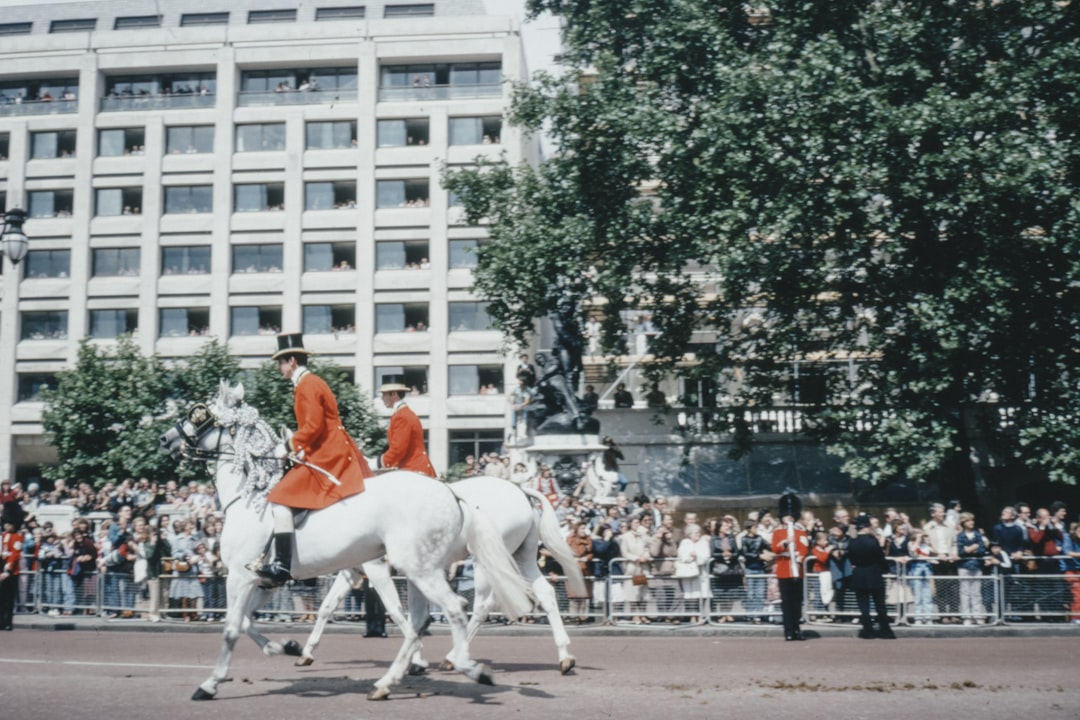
(243, 593)
(545, 596)
(483, 602)
(435, 587)
(410, 629)
(341, 586)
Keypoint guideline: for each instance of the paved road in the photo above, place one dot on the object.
(96, 674)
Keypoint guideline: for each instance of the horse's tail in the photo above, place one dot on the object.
(489, 551)
(553, 540)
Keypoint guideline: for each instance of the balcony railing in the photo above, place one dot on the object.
(38, 107)
(440, 92)
(157, 102)
(247, 98)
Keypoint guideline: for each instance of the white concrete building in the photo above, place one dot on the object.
(199, 169)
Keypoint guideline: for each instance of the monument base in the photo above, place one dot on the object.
(574, 459)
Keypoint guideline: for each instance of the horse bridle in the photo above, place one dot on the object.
(199, 421)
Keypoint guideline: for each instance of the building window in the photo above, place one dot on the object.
(256, 17)
(5, 139)
(185, 260)
(473, 442)
(256, 138)
(137, 22)
(44, 325)
(340, 13)
(416, 378)
(463, 253)
(31, 385)
(338, 195)
(50, 203)
(255, 320)
(401, 317)
(440, 81)
(20, 28)
(257, 258)
(331, 135)
(189, 199)
(199, 19)
(329, 319)
(107, 324)
(476, 379)
(401, 193)
(110, 202)
(469, 316)
(475, 130)
(121, 141)
(115, 262)
(259, 197)
(411, 10)
(57, 144)
(403, 132)
(402, 255)
(329, 257)
(184, 322)
(80, 25)
(189, 139)
(181, 90)
(289, 86)
(38, 97)
(48, 264)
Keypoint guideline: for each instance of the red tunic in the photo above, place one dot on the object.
(783, 558)
(405, 439)
(10, 552)
(325, 443)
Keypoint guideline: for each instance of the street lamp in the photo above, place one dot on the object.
(13, 237)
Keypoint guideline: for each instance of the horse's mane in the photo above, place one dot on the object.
(253, 444)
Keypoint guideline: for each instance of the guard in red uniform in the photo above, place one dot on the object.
(11, 543)
(331, 467)
(791, 546)
(405, 436)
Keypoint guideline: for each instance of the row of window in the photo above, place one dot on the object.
(264, 258)
(247, 197)
(254, 17)
(262, 320)
(262, 137)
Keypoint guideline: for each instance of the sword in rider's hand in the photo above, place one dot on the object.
(325, 473)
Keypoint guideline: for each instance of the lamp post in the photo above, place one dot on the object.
(14, 239)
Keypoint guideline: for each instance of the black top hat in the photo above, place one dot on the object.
(393, 383)
(13, 513)
(290, 344)
(862, 521)
(790, 504)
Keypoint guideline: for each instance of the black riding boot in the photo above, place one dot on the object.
(278, 572)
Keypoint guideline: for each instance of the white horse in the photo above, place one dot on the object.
(511, 512)
(414, 519)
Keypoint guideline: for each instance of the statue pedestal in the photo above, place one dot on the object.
(574, 459)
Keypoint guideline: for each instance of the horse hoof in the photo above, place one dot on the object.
(484, 676)
(567, 665)
(304, 661)
(446, 665)
(379, 694)
(201, 694)
(293, 648)
(416, 669)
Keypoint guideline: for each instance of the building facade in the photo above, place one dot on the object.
(198, 169)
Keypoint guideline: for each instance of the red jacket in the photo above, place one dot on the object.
(405, 438)
(10, 552)
(783, 562)
(324, 443)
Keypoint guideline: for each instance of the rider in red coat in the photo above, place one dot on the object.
(405, 436)
(323, 447)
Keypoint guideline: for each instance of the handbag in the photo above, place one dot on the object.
(640, 579)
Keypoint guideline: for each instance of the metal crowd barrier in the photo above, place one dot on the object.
(915, 595)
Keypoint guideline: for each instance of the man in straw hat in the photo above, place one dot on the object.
(405, 436)
(324, 449)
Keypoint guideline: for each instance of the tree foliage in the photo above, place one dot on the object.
(885, 191)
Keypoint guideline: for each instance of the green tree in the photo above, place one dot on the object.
(105, 415)
(197, 377)
(272, 396)
(886, 188)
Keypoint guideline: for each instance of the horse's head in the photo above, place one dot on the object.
(189, 434)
